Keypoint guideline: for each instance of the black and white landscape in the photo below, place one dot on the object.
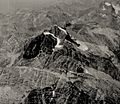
(60, 52)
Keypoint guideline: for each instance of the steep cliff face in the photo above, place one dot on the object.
(72, 74)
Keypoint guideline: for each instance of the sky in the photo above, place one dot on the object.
(11, 5)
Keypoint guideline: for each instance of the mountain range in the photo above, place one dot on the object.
(88, 74)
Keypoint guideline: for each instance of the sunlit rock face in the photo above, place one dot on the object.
(64, 54)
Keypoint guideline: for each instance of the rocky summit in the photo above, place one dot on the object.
(65, 53)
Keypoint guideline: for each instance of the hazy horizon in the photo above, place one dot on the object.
(11, 5)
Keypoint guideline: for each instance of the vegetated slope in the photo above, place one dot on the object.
(89, 74)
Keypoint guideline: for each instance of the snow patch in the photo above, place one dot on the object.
(103, 15)
(47, 33)
(82, 46)
(58, 40)
(117, 8)
(62, 30)
(53, 93)
(103, 8)
(107, 4)
(86, 71)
